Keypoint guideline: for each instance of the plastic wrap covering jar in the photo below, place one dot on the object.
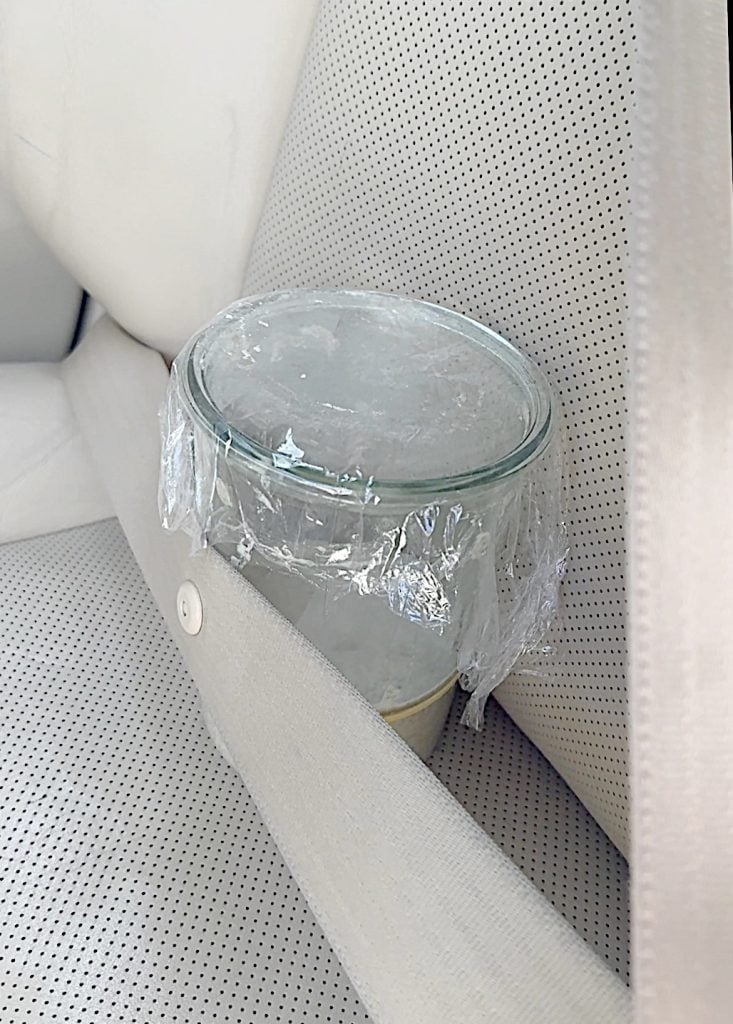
(381, 470)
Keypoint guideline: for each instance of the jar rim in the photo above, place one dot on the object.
(254, 456)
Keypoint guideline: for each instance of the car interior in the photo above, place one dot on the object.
(206, 822)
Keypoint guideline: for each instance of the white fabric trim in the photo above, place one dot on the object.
(681, 525)
(47, 481)
(431, 921)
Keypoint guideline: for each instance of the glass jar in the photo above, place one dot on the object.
(370, 463)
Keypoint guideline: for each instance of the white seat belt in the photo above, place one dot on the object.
(681, 518)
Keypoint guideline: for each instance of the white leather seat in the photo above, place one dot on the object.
(150, 189)
(173, 158)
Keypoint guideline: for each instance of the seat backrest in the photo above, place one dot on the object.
(475, 154)
(139, 138)
(478, 155)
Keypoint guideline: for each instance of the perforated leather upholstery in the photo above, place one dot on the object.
(137, 875)
(477, 155)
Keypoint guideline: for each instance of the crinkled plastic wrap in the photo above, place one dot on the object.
(476, 563)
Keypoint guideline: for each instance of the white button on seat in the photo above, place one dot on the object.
(190, 608)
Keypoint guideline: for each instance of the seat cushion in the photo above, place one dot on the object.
(134, 851)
